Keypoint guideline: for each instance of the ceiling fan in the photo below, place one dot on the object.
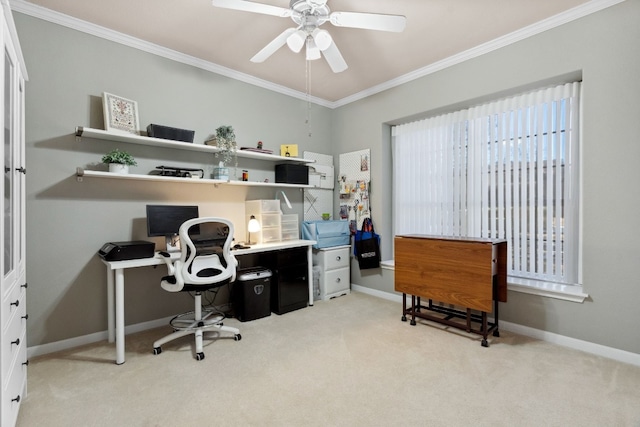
(308, 16)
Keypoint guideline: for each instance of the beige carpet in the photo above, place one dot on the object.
(345, 362)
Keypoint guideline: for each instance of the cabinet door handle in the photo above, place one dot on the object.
(16, 342)
(338, 258)
(16, 399)
(17, 303)
(22, 170)
(25, 317)
(338, 280)
(24, 286)
(25, 363)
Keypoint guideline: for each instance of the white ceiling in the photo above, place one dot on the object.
(436, 32)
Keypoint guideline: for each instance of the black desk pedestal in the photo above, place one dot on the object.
(289, 280)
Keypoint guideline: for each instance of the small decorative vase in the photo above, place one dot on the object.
(118, 168)
(221, 172)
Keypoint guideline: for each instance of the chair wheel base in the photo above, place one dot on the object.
(237, 337)
(199, 356)
(157, 350)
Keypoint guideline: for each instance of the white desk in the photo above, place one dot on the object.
(115, 284)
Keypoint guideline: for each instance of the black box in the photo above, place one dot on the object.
(166, 132)
(120, 251)
(252, 293)
(290, 173)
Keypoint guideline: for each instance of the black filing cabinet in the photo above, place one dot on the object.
(289, 278)
(290, 286)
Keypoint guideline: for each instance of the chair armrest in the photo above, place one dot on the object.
(170, 263)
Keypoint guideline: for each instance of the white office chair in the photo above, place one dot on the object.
(197, 272)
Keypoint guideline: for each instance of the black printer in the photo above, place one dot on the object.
(120, 251)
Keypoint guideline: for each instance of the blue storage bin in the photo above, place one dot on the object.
(327, 233)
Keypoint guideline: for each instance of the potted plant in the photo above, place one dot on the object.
(119, 161)
(225, 140)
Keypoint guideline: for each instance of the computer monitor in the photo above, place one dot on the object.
(165, 220)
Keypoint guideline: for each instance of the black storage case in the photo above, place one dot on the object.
(289, 173)
(166, 132)
(252, 293)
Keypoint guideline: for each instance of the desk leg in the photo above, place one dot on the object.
(111, 321)
(310, 273)
(119, 316)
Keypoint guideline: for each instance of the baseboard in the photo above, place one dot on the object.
(588, 347)
(40, 350)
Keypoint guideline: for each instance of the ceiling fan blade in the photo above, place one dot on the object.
(369, 21)
(334, 58)
(249, 6)
(274, 45)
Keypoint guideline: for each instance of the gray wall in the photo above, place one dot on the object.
(603, 48)
(68, 221)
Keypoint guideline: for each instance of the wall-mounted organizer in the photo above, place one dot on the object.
(83, 132)
(319, 199)
(354, 180)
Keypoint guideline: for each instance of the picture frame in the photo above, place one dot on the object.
(289, 150)
(120, 114)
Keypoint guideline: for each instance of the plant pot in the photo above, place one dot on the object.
(118, 168)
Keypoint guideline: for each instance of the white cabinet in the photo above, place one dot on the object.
(334, 271)
(13, 342)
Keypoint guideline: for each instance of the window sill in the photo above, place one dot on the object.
(571, 293)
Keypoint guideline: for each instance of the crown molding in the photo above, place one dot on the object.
(577, 12)
(495, 44)
(117, 37)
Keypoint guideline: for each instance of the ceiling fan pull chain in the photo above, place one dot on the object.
(308, 90)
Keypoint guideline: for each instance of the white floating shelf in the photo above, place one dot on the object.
(82, 173)
(167, 143)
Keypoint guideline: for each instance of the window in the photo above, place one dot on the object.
(507, 169)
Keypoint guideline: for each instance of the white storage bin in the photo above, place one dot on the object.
(268, 220)
(259, 207)
(270, 235)
(290, 227)
(290, 234)
(290, 219)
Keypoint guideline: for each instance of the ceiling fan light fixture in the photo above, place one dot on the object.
(296, 40)
(322, 38)
(317, 2)
(313, 52)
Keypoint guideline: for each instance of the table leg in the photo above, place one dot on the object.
(413, 310)
(404, 307)
(119, 316)
(310, 273)
(111, 321)
(484, 342)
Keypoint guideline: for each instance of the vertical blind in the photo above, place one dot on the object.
(507, 169)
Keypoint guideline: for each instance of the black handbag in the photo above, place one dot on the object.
(367, 246)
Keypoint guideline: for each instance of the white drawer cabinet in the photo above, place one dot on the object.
(334, 270)
(268, 214)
